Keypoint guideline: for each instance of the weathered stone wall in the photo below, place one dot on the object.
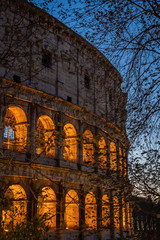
(30, 170)
(58, 88)
(29, 33)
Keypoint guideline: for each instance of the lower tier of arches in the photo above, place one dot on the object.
(67, 209)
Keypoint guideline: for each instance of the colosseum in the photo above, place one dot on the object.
(63, 143)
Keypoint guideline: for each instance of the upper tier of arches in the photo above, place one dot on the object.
(96, 149)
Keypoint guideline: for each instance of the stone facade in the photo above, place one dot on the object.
(62, 117)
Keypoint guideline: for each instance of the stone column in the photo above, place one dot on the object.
(96, 149)
(111, 217)
(59, 217)
(81, 213)
(31, 132)
(58, 139)
(31, 203)
(80, 146)
(99, 212)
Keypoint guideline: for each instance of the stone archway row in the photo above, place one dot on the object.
(47, 203)
(15, 138)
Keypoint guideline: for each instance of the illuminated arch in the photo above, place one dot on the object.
(105, 211)
(116, 211)
(113, 156)
(47, 206)
(90, 211)
(72, 210)
(120, 160)
(70, 143)
(16, 211)
(88, 149)
(102, 153)
(45, 136)
(15, 130)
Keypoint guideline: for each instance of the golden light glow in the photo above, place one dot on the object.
(70, 143)
(15, 131)
(45, 136)
(105, 211)
(128, 215)
(102, 153)
(124, 213)
(125, 164)
(120, 160)
(72, 210)
(116, 211)
(90, 211)
(47, 206)
(113, 156)
(88, 149)
(16, 210)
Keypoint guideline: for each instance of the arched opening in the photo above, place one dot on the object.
(88, 149)
(45, 136)
(120, 160)
(105, 211)
(72, 210)
(47, 206)
(113, 156)
(70, 143)
(116, 211)
(102, 153)
(15, 130)
(90, 211)
(15, 207)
